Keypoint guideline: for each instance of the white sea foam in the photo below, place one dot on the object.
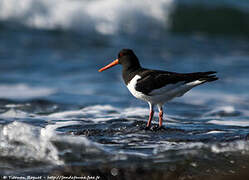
(12, 113)
(23, 91)
(215, 132)
(226, 110)
(193, 147)
(242, 146)
(221, 98)
(99, 113)
(102, 16)
(25, 141)
(167, 146)
(32, 143)
(241, 123)
(21, 140)
(136, 153)
(95, 113)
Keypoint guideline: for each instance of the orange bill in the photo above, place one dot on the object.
(109, 65)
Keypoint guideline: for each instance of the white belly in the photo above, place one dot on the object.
(164, 94)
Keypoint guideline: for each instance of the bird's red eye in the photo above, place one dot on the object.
(120, 55)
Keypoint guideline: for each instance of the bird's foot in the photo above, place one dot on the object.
(157, 128)
(160, 128)
(147, 128)
(154, 128)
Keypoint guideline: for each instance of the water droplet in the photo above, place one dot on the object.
(114, 171)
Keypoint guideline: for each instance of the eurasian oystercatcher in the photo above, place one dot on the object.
(156, 86)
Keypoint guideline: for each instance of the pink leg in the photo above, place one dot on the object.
(151, 115)
(160, 116)
(150, 118)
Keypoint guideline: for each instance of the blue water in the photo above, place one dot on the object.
(57, 109)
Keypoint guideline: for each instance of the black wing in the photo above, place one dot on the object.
(154, 79)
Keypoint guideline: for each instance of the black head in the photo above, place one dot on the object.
(128, 59)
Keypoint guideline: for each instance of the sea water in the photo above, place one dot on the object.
(57, 110)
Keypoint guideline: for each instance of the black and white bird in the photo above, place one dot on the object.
(156, 86)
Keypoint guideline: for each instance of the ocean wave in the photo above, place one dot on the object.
(98, 113)
(173, 146)
(226, 111)
(95, 113)
(23, 91)
(35, 144)
(220, 115)
(100, 16)
(105, 133)
(218, 98)
(241, 146)
(24, 141)
(241, 123)
(111, 17)
(14, 114)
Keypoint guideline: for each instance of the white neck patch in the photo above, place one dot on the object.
(132, 85)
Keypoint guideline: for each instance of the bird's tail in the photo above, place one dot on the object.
(208, 76)
(202, 76)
